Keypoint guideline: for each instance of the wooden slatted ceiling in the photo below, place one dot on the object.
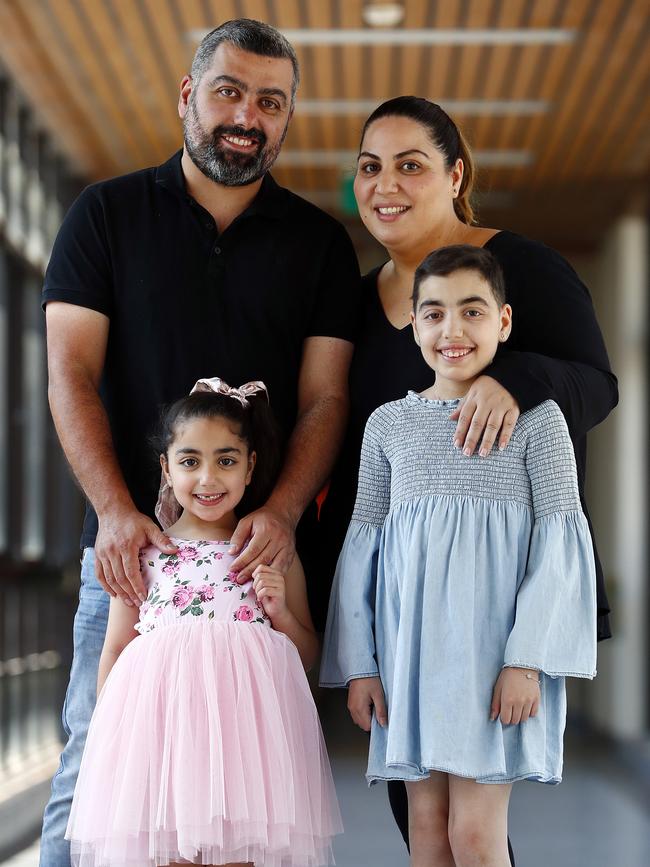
(103, 78)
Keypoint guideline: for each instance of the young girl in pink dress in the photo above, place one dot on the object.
(205, 745)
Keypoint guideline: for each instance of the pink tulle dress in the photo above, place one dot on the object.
(205, 746)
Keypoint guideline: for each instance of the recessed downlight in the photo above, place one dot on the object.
(382, 14)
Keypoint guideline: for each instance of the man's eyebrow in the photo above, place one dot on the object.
(273, 91)
(263, 91)
(229, 79)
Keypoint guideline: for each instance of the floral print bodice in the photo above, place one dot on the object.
(195, 582)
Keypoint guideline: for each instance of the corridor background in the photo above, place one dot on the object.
(553, 96)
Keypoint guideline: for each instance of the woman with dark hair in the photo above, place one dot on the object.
(413, 187)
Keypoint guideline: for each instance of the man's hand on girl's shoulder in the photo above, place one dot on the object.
(120, 538)
(272, 542)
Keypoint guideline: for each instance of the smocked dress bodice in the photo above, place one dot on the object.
(195, 583)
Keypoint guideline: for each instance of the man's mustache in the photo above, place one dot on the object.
(239, 131)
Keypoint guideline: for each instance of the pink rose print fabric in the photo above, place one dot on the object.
(206, 592)
(182, 596)
(187, 553)
(195, 582)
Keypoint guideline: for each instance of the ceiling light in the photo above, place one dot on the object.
(383, 14)
(455, 107)
(432, 36)
(429, 36)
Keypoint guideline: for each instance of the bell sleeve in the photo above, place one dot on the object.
(554, 628)
(349, 645)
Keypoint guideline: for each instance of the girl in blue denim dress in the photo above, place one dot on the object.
(464, 592)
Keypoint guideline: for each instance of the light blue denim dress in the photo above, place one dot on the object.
(452, 568)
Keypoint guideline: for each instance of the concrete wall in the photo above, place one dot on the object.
(617, 702)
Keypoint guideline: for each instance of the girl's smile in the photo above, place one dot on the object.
(208, 466)
(455, 353)
(209, 499)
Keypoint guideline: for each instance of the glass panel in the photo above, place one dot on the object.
(4, 402)
(34, 403)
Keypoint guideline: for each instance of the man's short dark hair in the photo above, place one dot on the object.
(247, 35)
(461, 257)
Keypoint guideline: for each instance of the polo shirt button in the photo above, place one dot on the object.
(217, 250)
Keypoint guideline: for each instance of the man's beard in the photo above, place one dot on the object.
(226, 167)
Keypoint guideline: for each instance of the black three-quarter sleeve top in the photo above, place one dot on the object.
(555, 352)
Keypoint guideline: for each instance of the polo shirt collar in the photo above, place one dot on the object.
(271, 201)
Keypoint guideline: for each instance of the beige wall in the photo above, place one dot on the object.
(617, 478)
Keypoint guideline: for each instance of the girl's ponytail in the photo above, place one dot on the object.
(263, 438)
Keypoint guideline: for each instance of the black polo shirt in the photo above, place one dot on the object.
(185, 302)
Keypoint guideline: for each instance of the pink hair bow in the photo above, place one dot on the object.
(220, 387)
(168, 510)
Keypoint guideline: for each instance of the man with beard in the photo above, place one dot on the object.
(199, 267)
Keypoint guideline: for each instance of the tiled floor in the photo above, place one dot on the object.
(598, 817)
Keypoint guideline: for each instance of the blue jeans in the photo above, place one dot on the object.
(89, 629)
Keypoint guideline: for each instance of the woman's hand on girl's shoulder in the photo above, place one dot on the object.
(364, 695)
(486, 412)
(516, 695)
